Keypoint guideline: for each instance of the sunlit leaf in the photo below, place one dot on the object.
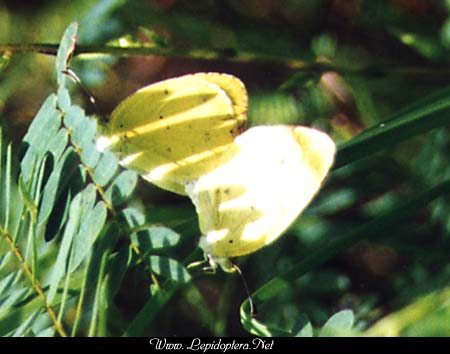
(169, 268)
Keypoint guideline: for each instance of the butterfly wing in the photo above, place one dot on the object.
(250, 200)
(174, 131)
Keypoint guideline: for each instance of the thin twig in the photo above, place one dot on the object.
(235, 55)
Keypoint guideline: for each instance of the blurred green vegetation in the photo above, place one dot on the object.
(345, 66)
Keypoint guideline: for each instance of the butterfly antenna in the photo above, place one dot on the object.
(250, 301)
(71, 74)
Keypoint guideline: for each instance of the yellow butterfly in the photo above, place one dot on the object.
(182, 134)
(270, 175)
(177, 130)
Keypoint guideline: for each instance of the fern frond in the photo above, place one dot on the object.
(61, 220)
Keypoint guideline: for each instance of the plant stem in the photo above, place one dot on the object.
(234, 55)
(35, 284)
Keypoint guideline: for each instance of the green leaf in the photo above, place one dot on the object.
(427, 45)
(82, 129)
(149, 238)
(117, 268)
(274, 108)
(258, 328)
(90, 155)
(145, 237)
(40, 136)
(146, 316)
(64, 101)
(423, 116)
(51, 190)
(47, 332)
(93, 223)
(7, 282)
(47, 117)
(12, 317)
(66, 179)
(25, 326)
(58, 144)
(41, 325)
(84, 133)
(169, 268)
(97, 309)
(60, 267)
(14, 296)
(121, 188)
(5, 59)
(44, 126)
(105, 169)
(110, 236)
(65, 51)
(93, 276)
(28, 201)
(363, 100)
(134, 217)
(426, 316)
(6, 196)
(340, 324)
(303, 327)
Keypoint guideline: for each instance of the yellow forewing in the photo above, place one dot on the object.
(272, 174)
(177, 130)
